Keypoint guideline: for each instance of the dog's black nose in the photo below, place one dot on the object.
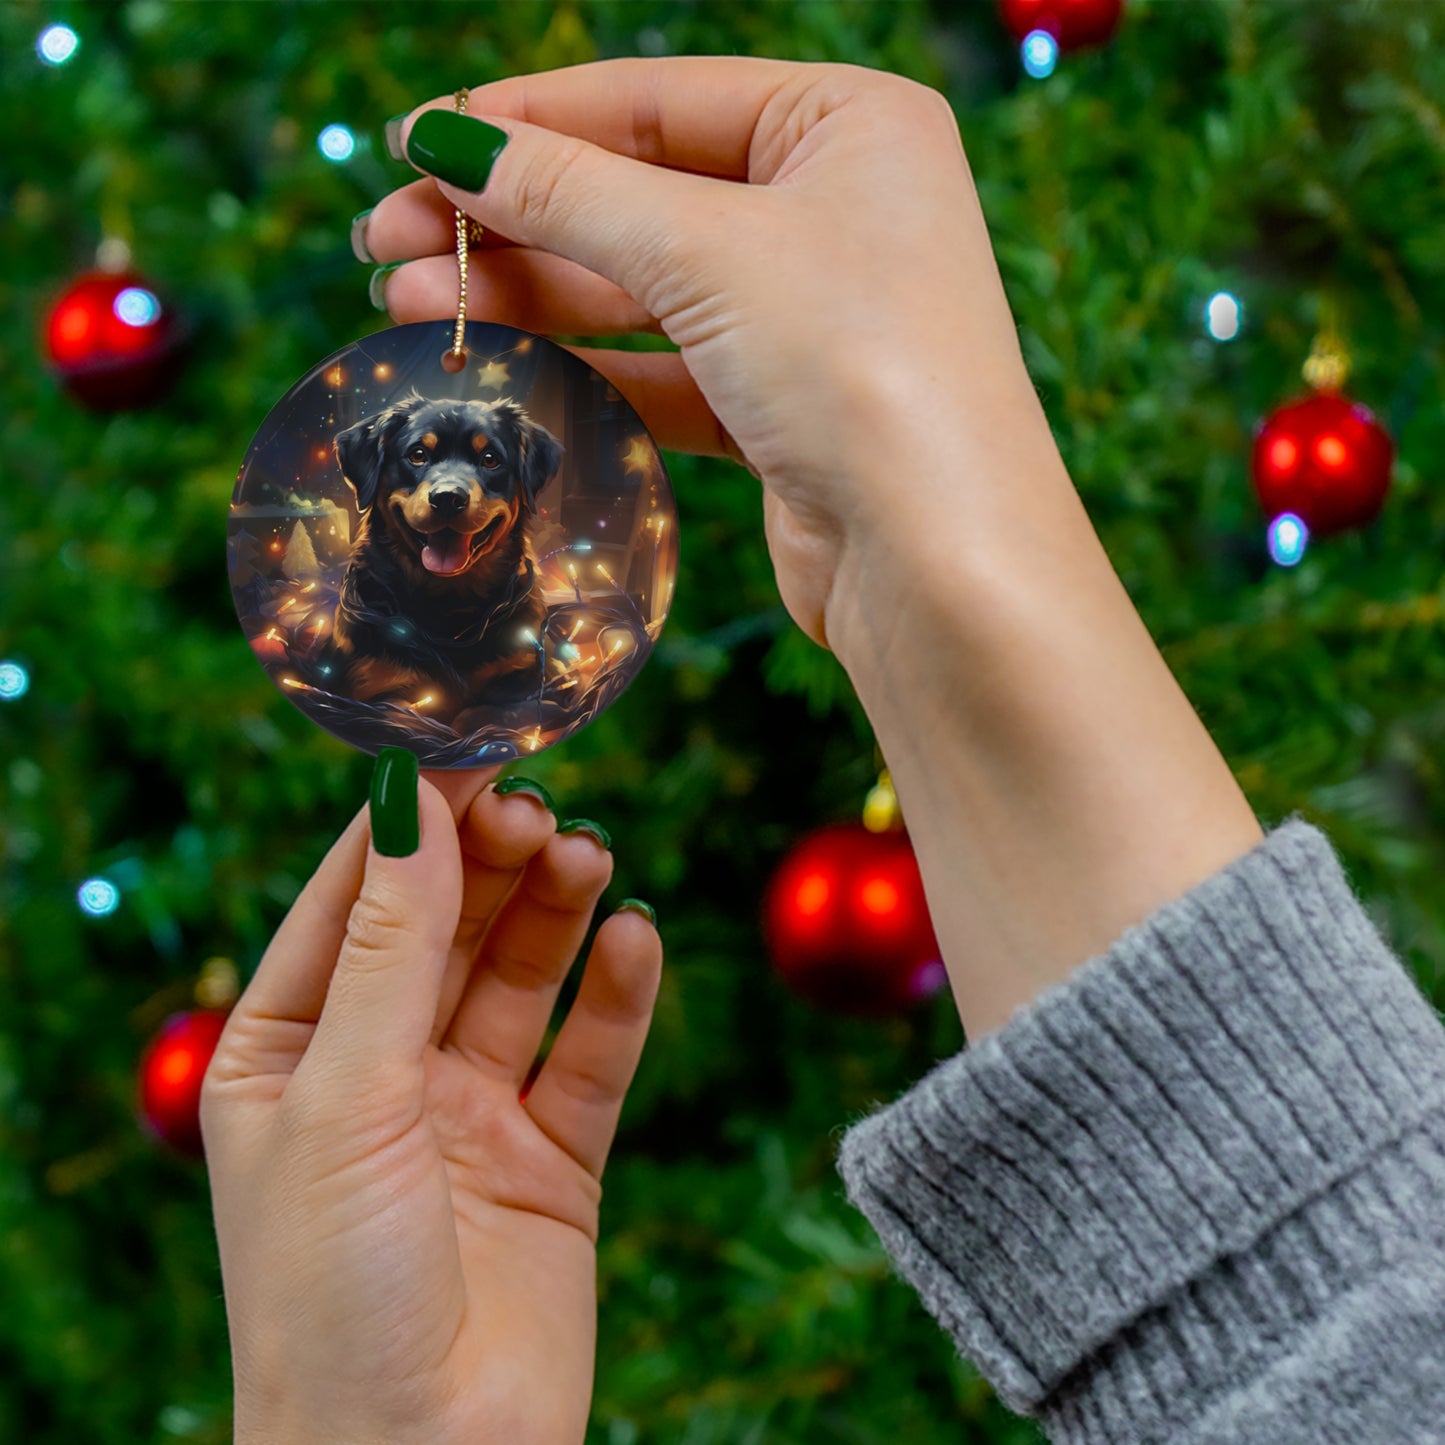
(448, 501)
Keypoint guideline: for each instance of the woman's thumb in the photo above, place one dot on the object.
(382, 1000)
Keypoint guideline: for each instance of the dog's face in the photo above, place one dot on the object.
(447, 480)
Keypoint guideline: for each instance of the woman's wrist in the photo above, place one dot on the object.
(1057, 784)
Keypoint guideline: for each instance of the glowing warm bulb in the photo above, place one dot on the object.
(637, 456)
(1331, 451)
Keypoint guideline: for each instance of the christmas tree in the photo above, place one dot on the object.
(300, 559)
(1284, 157)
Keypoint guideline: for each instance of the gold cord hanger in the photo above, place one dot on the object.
(469, 233)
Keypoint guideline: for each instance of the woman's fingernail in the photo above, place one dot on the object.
(376, 289)
(393, 136)
(455, 148)
(395, 812)
(515, 784)
(359, 247)
(586, 825)
(636, 905)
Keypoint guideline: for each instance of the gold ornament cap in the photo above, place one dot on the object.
(219, 985)
(881, 812)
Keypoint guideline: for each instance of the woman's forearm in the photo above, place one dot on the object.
(1057, 784)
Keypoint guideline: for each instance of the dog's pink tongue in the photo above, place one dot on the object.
(446, 551)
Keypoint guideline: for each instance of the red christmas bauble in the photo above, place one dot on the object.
(847, 924)
(1073, 23)
(112, 341)
(1324, 458)
(171, 1071)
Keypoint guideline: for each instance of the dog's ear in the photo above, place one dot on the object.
(361, 450)
(541, 456)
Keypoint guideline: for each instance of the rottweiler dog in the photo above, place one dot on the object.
(438, 596)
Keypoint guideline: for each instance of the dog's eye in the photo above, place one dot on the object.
(490, 459)
(416, 456)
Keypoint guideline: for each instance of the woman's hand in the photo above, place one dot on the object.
(810, 237)
(841, 321)
(408, 1248)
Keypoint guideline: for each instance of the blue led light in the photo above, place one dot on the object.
(136, 306)
(98, 897)
(14, 681)
(497, 752)
(1040, 52)
(336, 143)
(1288, 538)
(57, 44)
(1223, 316)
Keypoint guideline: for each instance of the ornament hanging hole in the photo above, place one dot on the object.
(453, 361)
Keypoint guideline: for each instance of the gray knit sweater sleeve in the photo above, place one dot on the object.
(1196, 1192)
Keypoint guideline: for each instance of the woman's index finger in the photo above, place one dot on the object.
(696, 113)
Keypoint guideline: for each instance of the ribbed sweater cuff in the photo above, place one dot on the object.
(1168, 1152)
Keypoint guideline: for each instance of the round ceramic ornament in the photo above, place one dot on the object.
(457, 540)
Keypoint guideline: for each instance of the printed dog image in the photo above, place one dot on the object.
(470, 562)
(439, 595)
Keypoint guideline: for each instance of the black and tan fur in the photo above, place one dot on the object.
(442, 470)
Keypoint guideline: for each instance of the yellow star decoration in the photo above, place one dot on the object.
(494, 374)
(637, 457)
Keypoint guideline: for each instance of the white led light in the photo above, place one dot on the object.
(1288, 537)
(136, 306)
(57, 44)
(98, 897)
(1223, 316)
(14, 681)
(1040, 52)
(336, 143)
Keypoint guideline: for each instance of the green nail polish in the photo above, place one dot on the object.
(515, 784)
(376, 288)
(455, 148)
(636, 905)
(586, 825)
(358, 237)
(392, 132)
(395, 812)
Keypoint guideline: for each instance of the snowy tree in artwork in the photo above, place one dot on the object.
(300, 559)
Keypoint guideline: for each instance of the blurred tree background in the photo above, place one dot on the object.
(1286, 153)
